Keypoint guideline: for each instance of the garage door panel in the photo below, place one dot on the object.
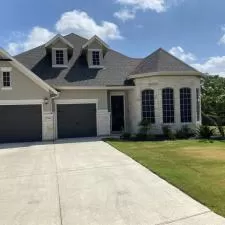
(20, 123)
(76, 120)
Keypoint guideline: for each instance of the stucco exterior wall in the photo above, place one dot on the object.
(157, 83)
(23, 88)
(101, 95)
(58, 44)
(95, 45)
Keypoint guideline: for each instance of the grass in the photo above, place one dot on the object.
(195, 167)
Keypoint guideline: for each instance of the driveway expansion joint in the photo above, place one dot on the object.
(57, 183)
(184, 218)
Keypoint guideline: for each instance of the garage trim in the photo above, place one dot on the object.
(73, 101)
(22, 102)
(27, 102)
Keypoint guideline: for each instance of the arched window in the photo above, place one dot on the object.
(148, 105)
(168, 105)
(198, 103)
(185, 105)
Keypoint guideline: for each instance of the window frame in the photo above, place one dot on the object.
(150, 104)
(9, 71)
(65, 58)
(168, 109)
(62, 57)
(90, 58)
(93, 59)
(198, 105)
(186, 116)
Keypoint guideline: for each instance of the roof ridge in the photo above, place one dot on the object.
(65, 36)
(158, 57)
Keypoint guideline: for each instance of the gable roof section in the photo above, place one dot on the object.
(162, 61)
(95, 37)
(27, 72)
(116, 69)
(56, 38)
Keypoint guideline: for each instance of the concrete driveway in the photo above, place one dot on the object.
(88, 182)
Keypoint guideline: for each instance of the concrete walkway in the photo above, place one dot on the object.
(88, 182)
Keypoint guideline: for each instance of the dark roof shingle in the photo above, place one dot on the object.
(161, 61)
(117, 67)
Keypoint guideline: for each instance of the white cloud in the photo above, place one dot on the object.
(214, 65)
(81, 23)
(75, 21)
(179, 52)
(125, 14)
(37, 36)
(155, 5)
(132, 6)
(222, 39)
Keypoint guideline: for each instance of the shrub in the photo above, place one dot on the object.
(205, 131)
(221, 130)
(144, 130)
(184, 133)
(125, 136)
(168, 133)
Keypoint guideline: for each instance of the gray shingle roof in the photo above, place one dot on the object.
(116, 69)
(161, 61)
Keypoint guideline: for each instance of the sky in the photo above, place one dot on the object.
(192, 30)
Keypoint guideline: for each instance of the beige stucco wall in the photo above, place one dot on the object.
(23, 88)
(95, 45)
(58, 44)
(157, 83)
(101, 95)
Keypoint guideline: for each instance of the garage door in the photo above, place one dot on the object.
(76, 120)
(20, 123)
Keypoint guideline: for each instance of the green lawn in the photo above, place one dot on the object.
(196, 167)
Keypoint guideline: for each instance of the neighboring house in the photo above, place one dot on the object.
(74, 87)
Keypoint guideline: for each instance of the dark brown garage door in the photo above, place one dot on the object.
(76, 120)
(20, 123)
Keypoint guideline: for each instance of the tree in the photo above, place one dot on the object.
(213, 101)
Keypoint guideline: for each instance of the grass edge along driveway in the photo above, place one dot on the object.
(197, 167)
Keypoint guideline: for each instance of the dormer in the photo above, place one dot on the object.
(95, 50)
(61, 51)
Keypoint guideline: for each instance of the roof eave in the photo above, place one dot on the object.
(95, 37)
(93, 87)
(28, 73)
(166, 73)
(58, 36)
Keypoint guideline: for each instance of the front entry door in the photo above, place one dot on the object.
(117, 111)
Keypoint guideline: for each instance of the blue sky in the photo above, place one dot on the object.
(193, 30)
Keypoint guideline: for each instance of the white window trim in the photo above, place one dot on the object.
(6, 88)
(100, 58)
(65, 65)
(6, 69)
